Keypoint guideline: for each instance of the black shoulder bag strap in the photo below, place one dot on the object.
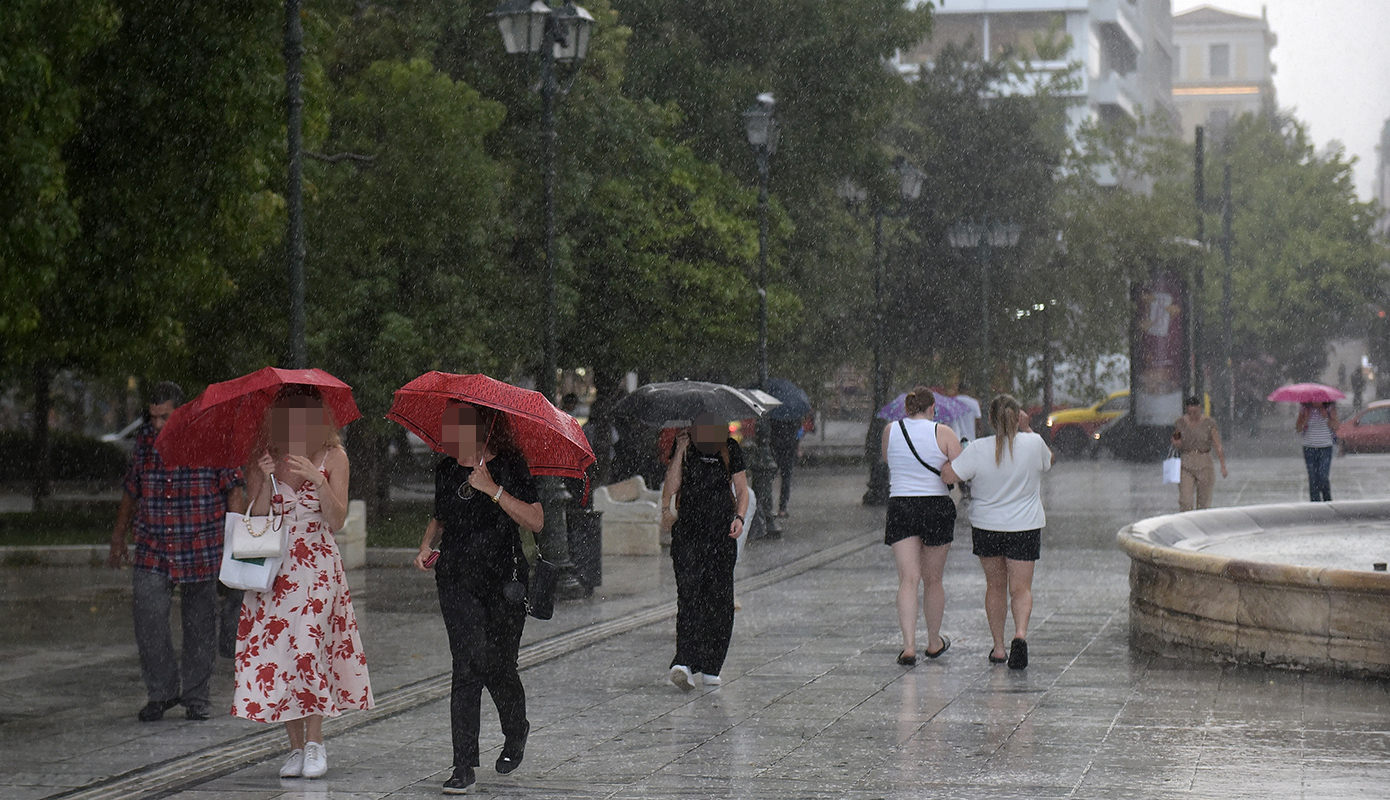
(902, 424)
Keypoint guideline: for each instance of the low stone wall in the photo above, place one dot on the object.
(1188, 603)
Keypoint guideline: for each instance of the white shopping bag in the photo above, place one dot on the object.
(254, 575)
(1172, 470)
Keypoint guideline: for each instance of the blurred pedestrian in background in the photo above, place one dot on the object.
(786, 443)
(710, 516)
(1195, 437)
(299, 656)
(1317, 426)
(483, 489)
(178, 515)
(1006, 519)
(921, 519)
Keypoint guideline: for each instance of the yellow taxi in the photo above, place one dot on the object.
(1071, 430)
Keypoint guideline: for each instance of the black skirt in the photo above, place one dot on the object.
(931, 518)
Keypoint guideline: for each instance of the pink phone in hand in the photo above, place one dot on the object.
(431, 558)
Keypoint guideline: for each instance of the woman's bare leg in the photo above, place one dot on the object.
(295, 728)
(907, 554)
(1020, 595)
(933, 593)
(996, 600)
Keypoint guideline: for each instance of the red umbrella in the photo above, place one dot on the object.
(219, 427)
(1306, 393)
(550, 440)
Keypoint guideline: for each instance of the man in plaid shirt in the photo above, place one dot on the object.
(178, 517)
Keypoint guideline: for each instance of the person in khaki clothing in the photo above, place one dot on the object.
(1194, 438)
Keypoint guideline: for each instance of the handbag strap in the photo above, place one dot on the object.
(252, 504)
(902, 425)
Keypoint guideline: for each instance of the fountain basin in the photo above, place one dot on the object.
(1287, 585)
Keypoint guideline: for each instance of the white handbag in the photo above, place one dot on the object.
(255, 537)
(1172, 469)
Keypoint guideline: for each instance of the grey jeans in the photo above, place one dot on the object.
(154, 596)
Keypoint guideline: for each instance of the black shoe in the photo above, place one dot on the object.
(513, 751)
(945, 645)
(462, 782)
(197, 713)
(154, 710)
(1018, 654)
(906, 659)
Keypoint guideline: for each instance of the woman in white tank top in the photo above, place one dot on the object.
(921, 518)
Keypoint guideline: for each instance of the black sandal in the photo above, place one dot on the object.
(993, 659)
(1018, 654)
(905, 660)
(945, 645)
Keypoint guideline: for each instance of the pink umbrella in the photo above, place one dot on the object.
(1306, 393)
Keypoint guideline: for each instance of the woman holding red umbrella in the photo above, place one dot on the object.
(483, 490)
(299, 657)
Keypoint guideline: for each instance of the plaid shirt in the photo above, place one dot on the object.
(179, 513)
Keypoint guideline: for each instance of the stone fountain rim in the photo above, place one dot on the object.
(1158, 540)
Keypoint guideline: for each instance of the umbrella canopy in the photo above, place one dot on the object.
(550, 440)
(1306, 393)
(947, 408)
(795, 403)
(676, 404)
(219, 427)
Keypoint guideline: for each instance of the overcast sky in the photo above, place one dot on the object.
(1333, 60)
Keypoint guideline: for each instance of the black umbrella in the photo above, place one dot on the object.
(676, 404)
(795, 403)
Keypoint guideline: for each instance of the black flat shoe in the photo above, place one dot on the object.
(1018, 654)
(197, 713)
(907, 660)
(461, 782)
(513, 752)
(945, 645)
(154, 710)
(993, 659)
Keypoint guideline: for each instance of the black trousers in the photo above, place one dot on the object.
(703, 557)
(484, 637)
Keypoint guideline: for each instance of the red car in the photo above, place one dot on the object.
(1368, 430)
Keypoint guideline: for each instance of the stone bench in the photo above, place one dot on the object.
(631, 518)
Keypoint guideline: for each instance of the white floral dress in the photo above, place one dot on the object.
(298, 650)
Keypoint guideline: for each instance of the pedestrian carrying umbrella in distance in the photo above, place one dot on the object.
(1306, 393)
(676, 404)
(550, 440)
(795, 403)
(947, 408)
(219, 427)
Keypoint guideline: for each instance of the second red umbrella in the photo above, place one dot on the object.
(219, 427)
(550, 440)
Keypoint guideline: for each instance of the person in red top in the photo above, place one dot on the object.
(177, 515)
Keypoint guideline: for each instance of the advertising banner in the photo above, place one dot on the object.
(1160, 349)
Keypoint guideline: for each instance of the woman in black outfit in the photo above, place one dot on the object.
(711, 491)
(482, 491)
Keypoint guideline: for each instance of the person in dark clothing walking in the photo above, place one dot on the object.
(710, 488)
(786, 440)
(483, 490)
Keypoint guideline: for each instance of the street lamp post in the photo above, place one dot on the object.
(294, 185)
(984, 237)
(909, 189)
(763, 131)
(557, 36)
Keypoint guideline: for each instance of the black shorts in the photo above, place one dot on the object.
(931, 518)
(1013, 545)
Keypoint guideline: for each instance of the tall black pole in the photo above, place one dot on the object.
(877, 492)
(555, 497)
(1228, 412)
(1198, 376)
(983, 390)
(763, 463)
(294, 187)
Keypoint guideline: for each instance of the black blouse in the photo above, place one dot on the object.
(479, 541)
(705, 478)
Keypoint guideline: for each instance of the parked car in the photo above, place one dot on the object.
(1072, 431)
(1129, 442)
(1368, 430)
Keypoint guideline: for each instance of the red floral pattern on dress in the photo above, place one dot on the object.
(298, 650)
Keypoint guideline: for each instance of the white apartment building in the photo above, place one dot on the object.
(1382, 184)
(1221, 68)
(1124, 48)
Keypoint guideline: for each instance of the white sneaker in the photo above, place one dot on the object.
(681, 677)
(315, 760)
(294, 765)
(712, 680)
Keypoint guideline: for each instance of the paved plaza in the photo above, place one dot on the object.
(812, 705)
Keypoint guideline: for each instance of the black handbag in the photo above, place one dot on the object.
(540, 594)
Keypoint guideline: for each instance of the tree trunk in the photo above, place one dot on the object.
(607, 385)
(371, 469)
(42, 462)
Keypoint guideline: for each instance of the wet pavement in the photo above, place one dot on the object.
(812, 705)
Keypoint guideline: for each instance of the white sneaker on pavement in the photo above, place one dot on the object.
(712, 680)
(294, 765)
(682, 678)
(315, 760)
